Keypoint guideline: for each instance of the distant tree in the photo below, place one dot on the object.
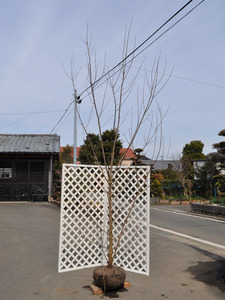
(138, 156)
(205, 180)
(91, 145)
(220, 177)
(156, 186)
(186, 176)
(66, 156)
(108, 138)
(91, 151)
(169, 174)
(156, 189)
(193, 150)
(183, 175)
(157, 176)
(171, 184)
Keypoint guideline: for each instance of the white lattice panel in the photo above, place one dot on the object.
(131, 188)
(84, 217)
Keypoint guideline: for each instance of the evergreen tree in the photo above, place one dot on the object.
(66, 157)
(193, 151)
(221, 177)
(92, 144)
(138, 156)
(108, 138)
(205, 176)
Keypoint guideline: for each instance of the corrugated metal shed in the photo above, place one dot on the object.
(29, 143)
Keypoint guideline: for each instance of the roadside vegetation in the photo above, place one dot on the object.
(180, 182)
(190, 182)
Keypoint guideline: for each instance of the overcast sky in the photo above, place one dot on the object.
(38, 39)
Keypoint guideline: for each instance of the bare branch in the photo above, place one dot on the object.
(121, 87)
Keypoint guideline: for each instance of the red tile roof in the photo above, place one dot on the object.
(129, 154)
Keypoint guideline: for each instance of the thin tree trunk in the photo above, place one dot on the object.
(110, 253)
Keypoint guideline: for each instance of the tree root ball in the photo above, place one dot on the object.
(109, 279)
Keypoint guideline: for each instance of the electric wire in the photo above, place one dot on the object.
(144, 42)
(26, 116)
(199, 82)
(31, 113)
(65, 118)
(108, 72)
(146, 47)
(184, 78)
(130, 54)
(99, 79)
(62, 116)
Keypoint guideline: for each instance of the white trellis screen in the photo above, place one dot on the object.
(84, 216)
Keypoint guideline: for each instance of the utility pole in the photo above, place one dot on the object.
(75, 129)
(77, 100)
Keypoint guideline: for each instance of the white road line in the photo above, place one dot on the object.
(189, 215)
(189, 237)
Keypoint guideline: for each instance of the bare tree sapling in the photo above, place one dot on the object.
(114, 106)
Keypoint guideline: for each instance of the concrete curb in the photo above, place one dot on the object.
(208, 209)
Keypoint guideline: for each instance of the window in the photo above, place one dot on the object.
(5, 173)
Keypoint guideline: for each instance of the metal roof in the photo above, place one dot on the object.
(164, 164)
(29, 143)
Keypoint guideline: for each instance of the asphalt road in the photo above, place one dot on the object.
(179, 220)
(181, 268)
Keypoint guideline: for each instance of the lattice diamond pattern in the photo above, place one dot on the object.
(84, 217)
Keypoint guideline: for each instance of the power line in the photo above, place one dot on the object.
(26, 116)
(65, 111)
(62, 116)
(32, 113)
(65, 118)
(145, 41)
(199, 82)
(131, 53)
(183, 78)
(149, 45)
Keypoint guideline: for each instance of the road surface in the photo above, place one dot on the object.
(181, 223)
(181, 267)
